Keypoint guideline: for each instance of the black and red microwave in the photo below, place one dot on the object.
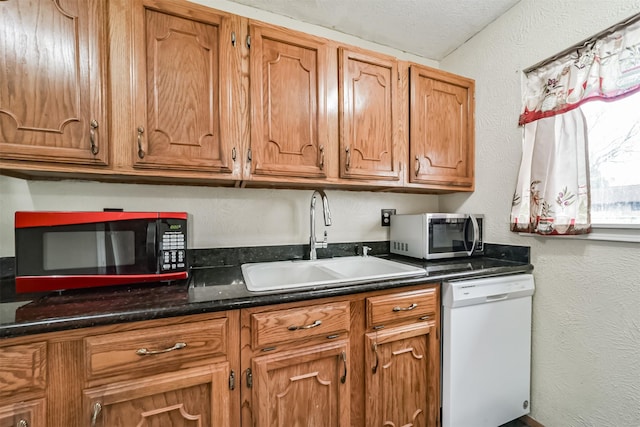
(69, 250)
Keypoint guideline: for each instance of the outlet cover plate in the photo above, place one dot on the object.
(385, 217)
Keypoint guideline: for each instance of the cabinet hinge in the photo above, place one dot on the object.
(249, 378)
(232, 380)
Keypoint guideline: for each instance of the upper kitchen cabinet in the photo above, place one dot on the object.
(288, 96)
(186, 79)
(369, 118)
(441, 130)
(53, 91)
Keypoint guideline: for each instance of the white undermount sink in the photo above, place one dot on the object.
(280, 275)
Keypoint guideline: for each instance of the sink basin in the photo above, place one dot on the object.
(280, 275)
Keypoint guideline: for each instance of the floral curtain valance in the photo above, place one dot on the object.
(604, 68)
(552, 194)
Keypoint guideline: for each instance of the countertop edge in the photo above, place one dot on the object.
(42, 326)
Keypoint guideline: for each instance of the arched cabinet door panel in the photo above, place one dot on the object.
(441, 143)
(185, 73)
(289, 121)
(369, 120)
(53, 91)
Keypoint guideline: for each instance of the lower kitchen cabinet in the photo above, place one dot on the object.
(187, 398)
(398, 371)
(402, 358)
(23, 414)
(296, 359)
(177, 371)
(359, 360)
(304, 387)
(23, 382)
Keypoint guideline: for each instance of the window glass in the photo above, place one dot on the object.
(614, 160)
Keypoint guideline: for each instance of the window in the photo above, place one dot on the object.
(614, 160)
(580, 167)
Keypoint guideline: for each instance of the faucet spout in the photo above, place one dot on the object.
(313, 242)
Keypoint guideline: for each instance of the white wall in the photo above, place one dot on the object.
(219, 217)
(222, 217)
(586, 327)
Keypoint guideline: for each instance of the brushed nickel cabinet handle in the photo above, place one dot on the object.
(343, 378)
(22, 423)
(347, 162)
(375, 352)
(97, 408)
(322, 157)
(92, 137)
(417, 165)
(233, 154)
(411, 307)
(141, 152)
(312, 325)
(146, 352)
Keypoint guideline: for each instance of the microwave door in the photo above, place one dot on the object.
(120, 250)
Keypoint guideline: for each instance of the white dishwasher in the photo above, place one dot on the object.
(486, 350)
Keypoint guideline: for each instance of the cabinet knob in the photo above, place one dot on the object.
(22, 423)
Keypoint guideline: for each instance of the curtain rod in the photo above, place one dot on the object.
(601, 34)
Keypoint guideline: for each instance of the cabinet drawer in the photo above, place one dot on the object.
(23, 368)
(386, 309)
(160, 348)
(277, 327)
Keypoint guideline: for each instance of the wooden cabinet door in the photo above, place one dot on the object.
(368, 116)
(185, 70)
(441, 116)
(303, 387)
(195, 397)
(402, 377)
(25, 414)
(289, 125)
(52, 95)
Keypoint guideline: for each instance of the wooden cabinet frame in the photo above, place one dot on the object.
(220, 112)
(319, 352)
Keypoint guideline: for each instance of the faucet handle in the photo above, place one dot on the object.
(365, 250)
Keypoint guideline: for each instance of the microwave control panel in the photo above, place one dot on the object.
(173, 245)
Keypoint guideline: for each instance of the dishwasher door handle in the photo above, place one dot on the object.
(498, 297)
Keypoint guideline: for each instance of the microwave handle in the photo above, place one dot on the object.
(151, 239)
(476, 234)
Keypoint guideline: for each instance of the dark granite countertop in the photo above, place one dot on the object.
(216, 285)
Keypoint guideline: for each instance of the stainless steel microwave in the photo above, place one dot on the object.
(437, 235)
(66, 250)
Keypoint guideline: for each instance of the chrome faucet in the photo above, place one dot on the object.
(313, 243)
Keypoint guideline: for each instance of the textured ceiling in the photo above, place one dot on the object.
(428, 28)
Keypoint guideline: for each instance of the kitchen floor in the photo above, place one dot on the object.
(515, 423)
